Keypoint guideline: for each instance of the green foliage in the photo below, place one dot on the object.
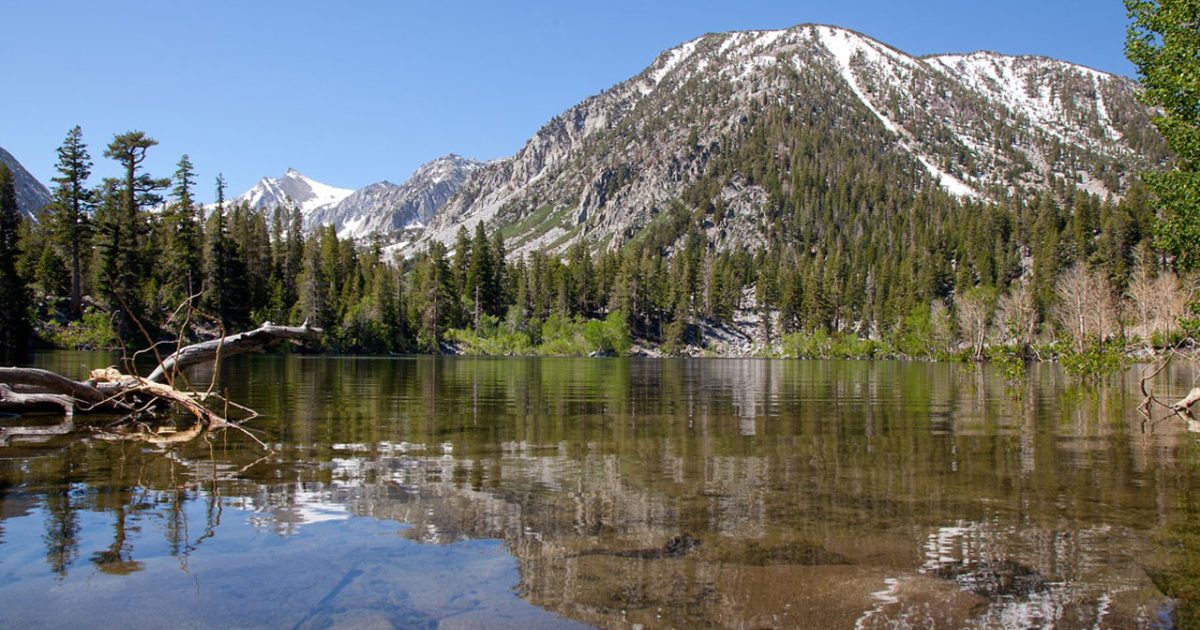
(1164, 43)
(14, 295)
(821, 345)
(1165, 340)
(562, 335)
(94, 330)
(610, 335)
(68, 220)
(559, 335)
(1097, 360)
(1010, 360)
(915, 337)
(494, 338)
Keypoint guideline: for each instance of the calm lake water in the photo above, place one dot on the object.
(464, 493)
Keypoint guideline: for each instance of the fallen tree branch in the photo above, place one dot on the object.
(136, 398)
(1184, 405)
(250, 341)
(49, 382)
(12, 400)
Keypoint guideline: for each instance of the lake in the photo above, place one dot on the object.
(519, 493)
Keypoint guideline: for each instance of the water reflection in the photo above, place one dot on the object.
(817, 493)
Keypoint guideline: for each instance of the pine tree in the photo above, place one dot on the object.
(225, 291)
(479, 285)
(185, 259)
(69, 219)
(462, 260)
(435, 297)
(293, 254)
(313, 302)
(125, 267)
(14, 316)
(500, 290)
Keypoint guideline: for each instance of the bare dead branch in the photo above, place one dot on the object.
(250, 341)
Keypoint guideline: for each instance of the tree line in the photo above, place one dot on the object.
(853, 251)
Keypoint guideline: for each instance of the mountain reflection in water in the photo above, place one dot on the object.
(668, 493)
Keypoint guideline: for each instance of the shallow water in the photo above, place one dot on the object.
(455, 492)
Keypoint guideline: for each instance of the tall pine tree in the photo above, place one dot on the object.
(14, 315)
(70, 213)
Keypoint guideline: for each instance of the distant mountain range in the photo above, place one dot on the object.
(381, 208)
(979, 126)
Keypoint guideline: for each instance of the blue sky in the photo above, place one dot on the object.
(355, 92)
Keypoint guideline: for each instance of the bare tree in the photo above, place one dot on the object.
(1085, 305)
(1016, 316)
(1156, 302)
(974, 309)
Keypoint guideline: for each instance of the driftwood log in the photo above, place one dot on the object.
(1185, 404)
(130, 397)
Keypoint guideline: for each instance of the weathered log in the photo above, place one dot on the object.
(50, 382)
(19, 401)
(108, 390)
(250, 341)
(1184, 404)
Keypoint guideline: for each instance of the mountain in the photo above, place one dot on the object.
(293, 189)
(31, 194)
(387, 208)
(761, 128)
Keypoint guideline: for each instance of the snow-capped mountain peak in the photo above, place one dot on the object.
(293, 189)
(387, 208)
(981, 126)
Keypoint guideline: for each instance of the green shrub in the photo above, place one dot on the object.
(1097, 360)
(93, 331)
(1162, 340)
(557, 336)
(1010, 360)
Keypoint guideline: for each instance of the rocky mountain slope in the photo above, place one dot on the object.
(381, 208)
(980, 126)
(31, 194)
(387, 208)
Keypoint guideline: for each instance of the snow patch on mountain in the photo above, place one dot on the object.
(294, 189)
(848, 48)
(845, 47)
(388, 209)
(674, 56)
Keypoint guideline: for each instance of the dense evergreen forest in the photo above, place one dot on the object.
(859, 259)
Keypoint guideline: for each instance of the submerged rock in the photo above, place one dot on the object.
(1003, 579)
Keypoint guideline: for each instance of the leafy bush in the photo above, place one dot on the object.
(1162, 340)
(93, 331)
(1010, 360)
(1097, 359)
(610, 335)
(557, 336)
(494, 338)
(822, 345)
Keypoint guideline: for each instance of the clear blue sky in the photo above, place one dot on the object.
(355, 92)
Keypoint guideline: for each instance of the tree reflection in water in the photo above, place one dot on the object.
(822, 493)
